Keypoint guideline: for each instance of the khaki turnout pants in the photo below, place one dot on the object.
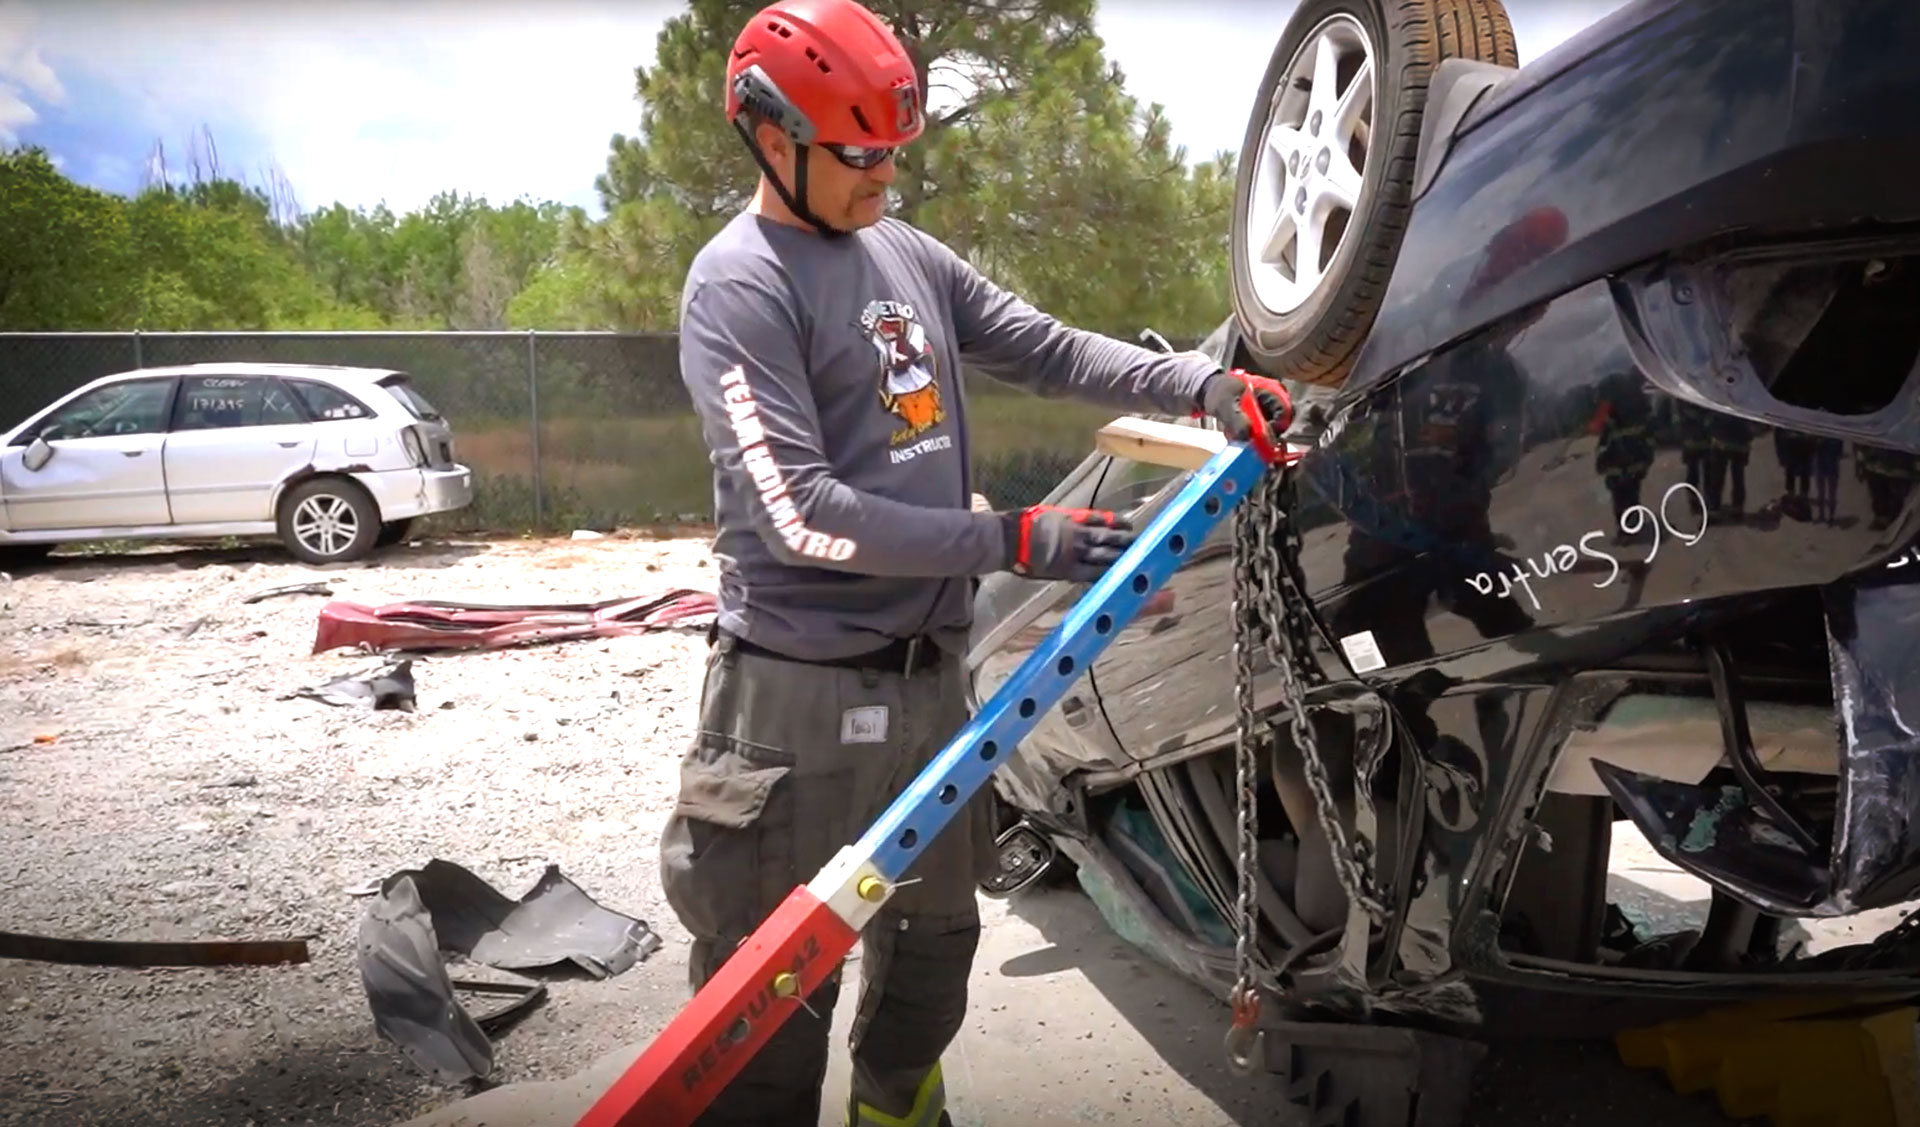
(791, 762)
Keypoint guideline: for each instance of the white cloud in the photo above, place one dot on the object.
(15, 114)
(357, 101)
(24, 73)
(360, 102)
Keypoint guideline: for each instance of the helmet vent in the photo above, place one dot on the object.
(861, 118)
(818, 61)
(780, 29)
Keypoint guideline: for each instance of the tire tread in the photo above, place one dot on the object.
(1428, 31)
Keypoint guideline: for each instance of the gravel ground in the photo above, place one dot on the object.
(156, 786)
(157, 782)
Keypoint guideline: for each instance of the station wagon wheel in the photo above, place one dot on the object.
(1325, 178)
(393, 532)
(328, 520)
(19, 557)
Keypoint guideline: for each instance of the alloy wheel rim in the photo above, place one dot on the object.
(1309, 177)
(325, 524)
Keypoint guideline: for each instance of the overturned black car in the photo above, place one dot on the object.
(1604, 532)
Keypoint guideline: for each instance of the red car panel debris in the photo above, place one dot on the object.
(431, 624)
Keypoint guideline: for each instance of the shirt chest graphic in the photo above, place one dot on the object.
(906, 373)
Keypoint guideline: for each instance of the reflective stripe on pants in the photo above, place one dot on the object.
(929, 1107)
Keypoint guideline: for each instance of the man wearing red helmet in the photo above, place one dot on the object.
(821, 343)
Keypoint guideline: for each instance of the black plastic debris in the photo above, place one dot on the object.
(422, 915)
(290, 589)
(385, 686)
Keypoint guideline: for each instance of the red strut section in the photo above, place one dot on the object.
(762, 983)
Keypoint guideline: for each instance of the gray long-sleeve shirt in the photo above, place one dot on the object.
(826, 375)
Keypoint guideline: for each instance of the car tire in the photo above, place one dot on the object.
(1312, 333)
(326, 520)
(393, 532)
(24, 557)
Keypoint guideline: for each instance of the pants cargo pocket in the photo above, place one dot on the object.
(726, 853)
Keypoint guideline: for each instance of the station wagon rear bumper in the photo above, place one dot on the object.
(412, 493)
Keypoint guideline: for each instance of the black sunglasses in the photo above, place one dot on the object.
(861, 157)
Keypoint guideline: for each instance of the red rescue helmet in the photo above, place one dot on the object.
(829, 73)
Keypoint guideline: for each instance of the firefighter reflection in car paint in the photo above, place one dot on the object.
(1623, 425)
(1795, 452)
(1452, 452)
(1454, 447)
(1811, 465)
(1827, 453)
(1716, 448)
(1727, 451)
(1696, 441)
(1889, 475)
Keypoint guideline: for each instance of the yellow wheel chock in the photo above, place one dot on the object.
(1833, 1062)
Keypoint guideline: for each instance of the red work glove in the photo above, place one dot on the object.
(1249, 408)
(1048, 542)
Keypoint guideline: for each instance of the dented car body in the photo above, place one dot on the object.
(333, 461)
(1606, 530)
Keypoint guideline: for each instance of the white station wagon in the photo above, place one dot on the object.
(334, 461)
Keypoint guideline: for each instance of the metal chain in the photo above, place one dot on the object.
(1245, 596)
(1269, 610)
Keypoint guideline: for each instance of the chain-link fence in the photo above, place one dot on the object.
(562, 430)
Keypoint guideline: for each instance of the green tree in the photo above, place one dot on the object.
(621, 272)
(456, 263)
(968, 53)
(63, 260)
(1076, 198)
(208, 258)
(1035, 164)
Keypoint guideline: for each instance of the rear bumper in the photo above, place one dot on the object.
(1777, 853)
(402, 494)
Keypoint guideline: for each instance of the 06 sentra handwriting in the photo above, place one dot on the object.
(1562, 558)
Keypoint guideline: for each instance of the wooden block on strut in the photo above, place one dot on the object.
(1159, 443)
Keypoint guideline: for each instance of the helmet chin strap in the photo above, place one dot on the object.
(795, 200)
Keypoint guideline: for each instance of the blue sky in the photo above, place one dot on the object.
(359, 102)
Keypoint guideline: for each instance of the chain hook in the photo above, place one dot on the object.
(1245, 1042)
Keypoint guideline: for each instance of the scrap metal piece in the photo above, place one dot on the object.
(1719, 835)
(1874, 653)
(1746, 840)
(290, 589)
(384, 686)
(425, 625)
(152, 953)
(526, 996)
(420, 914)
(410, 992)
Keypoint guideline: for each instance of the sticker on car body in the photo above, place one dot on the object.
(1363, 653)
